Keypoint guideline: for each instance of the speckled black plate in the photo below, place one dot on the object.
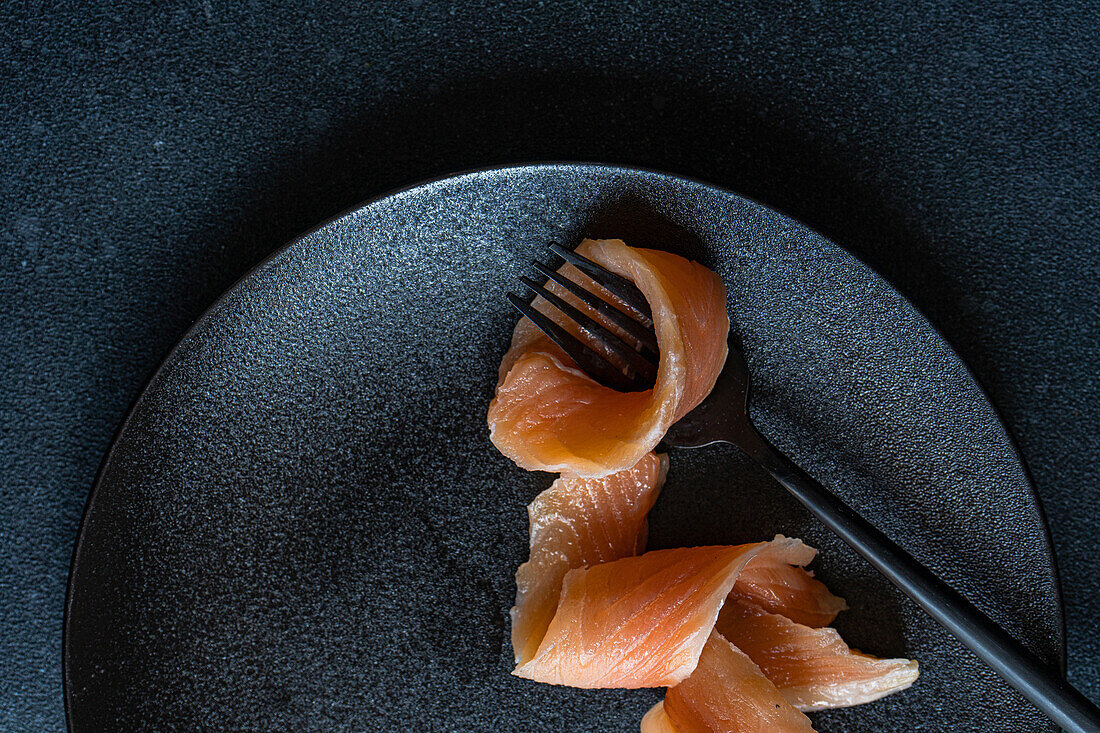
(303, 526)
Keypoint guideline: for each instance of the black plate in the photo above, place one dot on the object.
(303, 526)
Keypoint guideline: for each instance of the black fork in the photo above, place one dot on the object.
(723, 417)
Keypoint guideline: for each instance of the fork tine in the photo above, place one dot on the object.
(592, 363)
(644, 335)
(645, 370)
(616, 284)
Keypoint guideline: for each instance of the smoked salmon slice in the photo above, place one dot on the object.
(808, 668)
(642, 621)
(726, 693)
(789, 589)
(739, 634)
(575, 523)
(547, 415)
(813, 668)
(656, 720)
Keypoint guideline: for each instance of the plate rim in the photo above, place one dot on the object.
(547, 165)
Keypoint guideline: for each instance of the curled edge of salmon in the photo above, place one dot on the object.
(547, 415)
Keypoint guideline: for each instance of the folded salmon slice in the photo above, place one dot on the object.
(736, 633)
(575, 523)
(642, 621)
(657, 721)
(789, 589)
(548, 415)
(813, 668)
(726, 693)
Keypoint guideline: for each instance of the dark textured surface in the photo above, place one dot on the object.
(150, 155)
(303, 524)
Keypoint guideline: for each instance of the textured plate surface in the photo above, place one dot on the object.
(303, 525)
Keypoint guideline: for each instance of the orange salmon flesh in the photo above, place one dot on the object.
(738, 634)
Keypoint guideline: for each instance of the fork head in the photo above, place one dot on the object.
(620, 346)
(619, 349)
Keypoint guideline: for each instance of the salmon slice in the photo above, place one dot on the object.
(813, 668)
(549, 416)
(642, 621)
(786, 588)
(575, 523)
(726, 693)
(656, 720)
(738, 633)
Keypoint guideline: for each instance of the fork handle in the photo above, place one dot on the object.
(1037, 681)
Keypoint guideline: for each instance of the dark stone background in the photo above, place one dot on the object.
(151, 155)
